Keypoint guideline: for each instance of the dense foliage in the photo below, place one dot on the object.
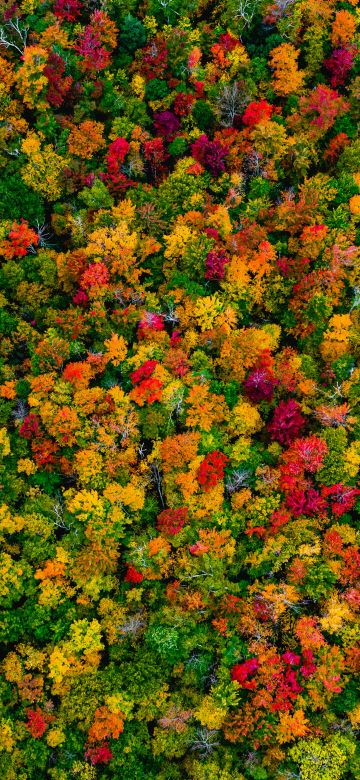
(179, 389)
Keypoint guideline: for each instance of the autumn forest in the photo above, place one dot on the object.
(179, 389)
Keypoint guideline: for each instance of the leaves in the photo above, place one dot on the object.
(179, 432)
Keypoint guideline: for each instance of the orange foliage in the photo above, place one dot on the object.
(86, 139)
(287, 79)
(106, 724)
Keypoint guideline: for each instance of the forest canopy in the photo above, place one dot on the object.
(179, 389)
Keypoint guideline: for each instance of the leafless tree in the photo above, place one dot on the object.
(43, 234)
(230, 103)
(175, 719)
(252, 164)
(12, 152)
(205, 741)
(246, 10)
(282, 6)
(237, 480)
(20, 411)
(356, 301)
(156, 479)
(170, 316)
(13, 28)
(167, 5)
(149, 217)
(58, 512)
(252, 759)
(132, 626)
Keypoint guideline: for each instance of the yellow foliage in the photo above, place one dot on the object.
(12, 668)
(138, 85)
(354, 716)
(352, 459)
(112, 616)
(310, 549)
(208, 502)
(4, 443)
(287, 78)
(205, 408)
(132, 495)
(30, 79)
(7, 740)
(241, 449)
(43, 169)
(243, 346)
(347, 533)
(88, 464)
(177, 241)
(8, 523)
(207, 309)
(55, 34)
(51, 594)
(209, 714)
(86, 504)
(246, 419)
(55, 737)
(116, 245)
(220, 220)
(116, 349)
(85, 641)
(292, 726)
(271, 140)
(27, 466)
(59, 666)
(125, 210)
(10, 573)
(337, 337)
(238, 57)
(87, 399)
(337, 612)
(7, 76)
(280, 596)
